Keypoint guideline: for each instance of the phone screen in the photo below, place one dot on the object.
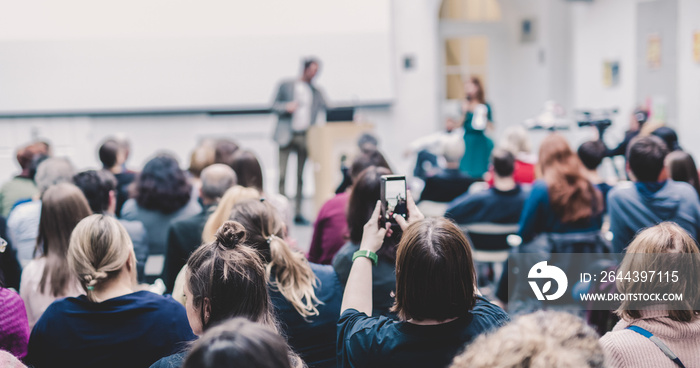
(394, 196)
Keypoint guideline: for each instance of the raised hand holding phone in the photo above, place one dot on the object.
(373, 234)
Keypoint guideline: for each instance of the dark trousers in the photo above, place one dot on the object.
(298, 145)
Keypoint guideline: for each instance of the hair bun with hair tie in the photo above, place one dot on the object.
(230, 234)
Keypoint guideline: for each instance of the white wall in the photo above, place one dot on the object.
(604, 30)
(413, 114)
(689, 77)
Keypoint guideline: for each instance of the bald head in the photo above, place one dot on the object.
(216, 179)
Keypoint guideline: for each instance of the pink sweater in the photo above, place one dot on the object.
(626, 348)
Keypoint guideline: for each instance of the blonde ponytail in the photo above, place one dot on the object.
(99, 247)
(290, 273)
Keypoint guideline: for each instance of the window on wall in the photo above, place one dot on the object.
(464, 57)
(471, 10)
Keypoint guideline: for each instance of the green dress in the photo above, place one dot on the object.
(478, 147)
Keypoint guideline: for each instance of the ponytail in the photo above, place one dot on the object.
(99, 248)
(288, 271)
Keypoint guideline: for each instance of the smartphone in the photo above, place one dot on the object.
(393, 197)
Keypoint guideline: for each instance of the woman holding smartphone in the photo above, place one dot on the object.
(438, 306)
(477, 118)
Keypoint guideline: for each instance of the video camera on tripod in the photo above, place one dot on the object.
(600, 119)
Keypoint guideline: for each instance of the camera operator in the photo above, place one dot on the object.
(637, 120)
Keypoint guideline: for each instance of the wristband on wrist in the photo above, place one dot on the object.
(366, 254)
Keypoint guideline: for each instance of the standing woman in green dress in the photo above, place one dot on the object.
(478, 145)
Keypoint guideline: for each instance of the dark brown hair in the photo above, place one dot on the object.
(162, 186)
(479, 96)
(573, 197)
(240, 343)
(62, 207)
(645, 158)
(248, 169)
(231, 275)
(364, 196)
(435, 277)
(108, 153)
(681, 167)
(365, 160)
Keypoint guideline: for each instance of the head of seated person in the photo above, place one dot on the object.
(226, 278)
(239, 343)
(681, 167)
(645, 160)
(247, 168)
(669, 137)
(102, 255)
(539, 340)
(162, 186)
(364, 196)
(51, 171)
(453, 151)
(289, 272)
(202, 156)
(112, 155)
(503, 162)
(435, 276)
(216, 180)
(572, 195)
(365, 160)
(221, 214)
(591, 154)
(664, 248)
(98, 188)
(63, 207)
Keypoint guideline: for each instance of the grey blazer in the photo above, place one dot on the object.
(285, 94)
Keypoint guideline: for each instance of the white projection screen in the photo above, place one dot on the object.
(74, 56)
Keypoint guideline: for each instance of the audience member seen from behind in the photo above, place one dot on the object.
(250, 175)
(14, 327)
(428, 148)
(202, 157)
(501, 204)
(367, 145)
(113, 155)
(542, 339)
(232, 196)
(438, 306)
(564, 200)
(99, 187)
(185, 235)
(651, 198)
(516, 140)
(681, 167)
(331, 226)
(110, 325)
(240, 343)
(306, 296)
(669, 137)
(592, 154)
(676, 326)
(365, 193)
(450, 183)
(23, 222)
(225, 279)
(22, 186)
(48, 277)
(162, 195)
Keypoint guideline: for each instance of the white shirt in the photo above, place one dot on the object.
(23, 229)
(303, 96)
